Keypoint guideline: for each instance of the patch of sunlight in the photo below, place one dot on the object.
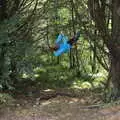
(48, 90)
(74, 100)
(98, 84)
(71, 102)
(86, 85)
(45, 103)
(25, 75)
(1, 86)
(97, 75)
(77, 87)
(36, 75)
(37, 68)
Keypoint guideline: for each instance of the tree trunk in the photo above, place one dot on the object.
(115, 48)
(115, 76)
(112, 38)
(3, 8)
(3, 16)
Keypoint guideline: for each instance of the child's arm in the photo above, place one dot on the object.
(59, 39)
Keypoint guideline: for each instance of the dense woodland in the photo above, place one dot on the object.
(29, 27)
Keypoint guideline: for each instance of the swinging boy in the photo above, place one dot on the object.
(63, 45)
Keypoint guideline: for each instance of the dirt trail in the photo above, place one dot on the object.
(58, 108)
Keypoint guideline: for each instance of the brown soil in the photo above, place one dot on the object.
(58, 108)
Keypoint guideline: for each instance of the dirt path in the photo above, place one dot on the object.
(58, 108)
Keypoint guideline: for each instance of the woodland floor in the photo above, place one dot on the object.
(52, 105)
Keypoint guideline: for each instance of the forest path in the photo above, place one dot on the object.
(58, 108)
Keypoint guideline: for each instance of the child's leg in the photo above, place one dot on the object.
(74, 39)
(71, 41)
(55, 48)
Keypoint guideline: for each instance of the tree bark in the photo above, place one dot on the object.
(115, 48)
(115, 76)
(112, 40)
(3, 8)
(3, 16)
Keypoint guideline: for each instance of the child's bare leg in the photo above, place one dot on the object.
(55, 48)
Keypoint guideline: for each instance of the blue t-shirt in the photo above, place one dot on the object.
(63, 45)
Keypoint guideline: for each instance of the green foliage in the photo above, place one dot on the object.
(58, 76)
(9, 50)
(52, 77)
(15, 49)
(24, 42)
(64, 15)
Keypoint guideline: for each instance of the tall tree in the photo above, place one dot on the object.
(15, 35)
(105, 13)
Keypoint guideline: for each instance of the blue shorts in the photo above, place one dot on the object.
(65, 47)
